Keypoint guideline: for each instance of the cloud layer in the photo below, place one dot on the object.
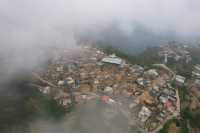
(28, 26)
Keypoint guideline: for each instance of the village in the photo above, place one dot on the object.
(175, 51)
(145, 97)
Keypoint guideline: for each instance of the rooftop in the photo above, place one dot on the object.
(111, 60)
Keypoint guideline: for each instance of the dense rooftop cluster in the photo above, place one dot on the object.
(178, 52)
(75, 76)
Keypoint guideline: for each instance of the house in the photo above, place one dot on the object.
(65, 101)
(108, 90)
(144, 114)
(140, 81)
(153, 93)
(196, 74)
(166, 91)
(62, 82)
(46, 90)
(112, 59)
(169, 106)
(69, 80)
(151, 73)
(196, 71)
(197, 67)
(180, 80)
(137, 69)
(173, 99)
(197, 82)
(163, 99)
(107, 99)
(59, 69)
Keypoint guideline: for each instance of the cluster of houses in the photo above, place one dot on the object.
(92, 74)
(175, 51)
(159, 103)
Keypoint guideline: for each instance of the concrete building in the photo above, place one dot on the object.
(180, 80)
(116, 61)
(196, 71)
(166, 58)
(144, 114)
(152, 73)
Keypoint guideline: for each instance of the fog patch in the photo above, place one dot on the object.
(92, 117)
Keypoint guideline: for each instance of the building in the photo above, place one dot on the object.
(112, 59)
(197, 82)
(163, 99)
(140, 81)
(178, 53)
(180, 80)
(152, 73)
(108, 90)
(166, 58)
(144, 114)
(137, 69)
(196, 71)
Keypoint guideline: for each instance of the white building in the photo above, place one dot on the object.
(112, 59)
(137, 69)
(180, 79)
(152, 73)
(196, 71)
(144, 114)
(108, 90)
(166, 58)
(140, 81)
(117, 61)
(197, 82)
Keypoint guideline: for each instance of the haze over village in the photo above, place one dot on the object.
(91, 66)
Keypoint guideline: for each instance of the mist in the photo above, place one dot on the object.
(29, 27)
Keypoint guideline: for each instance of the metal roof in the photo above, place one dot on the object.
(180, 78)
(117, 61)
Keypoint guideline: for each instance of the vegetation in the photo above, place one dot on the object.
(183, 94)
(21, 103)
(146, 58)
(195, 54)
(181, 68)
(180, 124)
(192, 116)
(149, 57)
(173, 83)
